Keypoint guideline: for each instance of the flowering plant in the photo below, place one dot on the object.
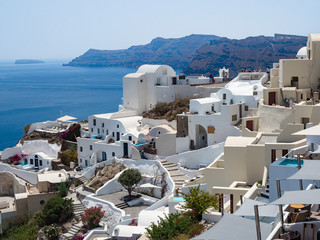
(16, 158)
(78, 237)
(92, 216)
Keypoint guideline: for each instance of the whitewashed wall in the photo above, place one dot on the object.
(193, 159)
(30, 177)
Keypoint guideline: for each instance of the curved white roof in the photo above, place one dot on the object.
(302, 52)
(148, 68)
(206, 100)
(151, 68)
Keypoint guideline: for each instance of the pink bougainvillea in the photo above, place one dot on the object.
(92, 216)
(15, 158)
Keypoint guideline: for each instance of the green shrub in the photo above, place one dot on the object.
(70, 155)
(63, 189)
(52, 232)
(199, 201)
(23, 232)
(170, 226)
(56, 210)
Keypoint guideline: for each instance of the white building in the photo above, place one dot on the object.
(211, 120)
(152, 84)
(34, 154)
(110, 135)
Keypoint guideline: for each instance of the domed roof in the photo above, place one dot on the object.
(302, 53)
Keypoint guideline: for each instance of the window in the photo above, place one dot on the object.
(104, 156)
(81, 149)
(112, 134)
(86, 163)
(255, 93)
(94, 122)
(224, 96)
(90, 147)
(31, 161)
(98, 130)
(141, 80)
(40, 162)
(102, 125)
(158, 81)
(113, 154)
(80, 160)
(159, 132)
(42, 202)
(246, 108)
(102, 131)
(107, 132)
(130, 138)
(301, 96)
(117, 125)
(234, 117)
(91, 129)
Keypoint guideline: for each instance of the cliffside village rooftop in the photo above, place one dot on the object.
(255, 140)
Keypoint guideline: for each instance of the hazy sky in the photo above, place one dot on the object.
(43, 29)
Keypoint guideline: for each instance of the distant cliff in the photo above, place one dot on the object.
(28, 61)
(199, 54)
(176, 52)
(252, 52)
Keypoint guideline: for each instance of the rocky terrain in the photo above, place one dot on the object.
(168, 111)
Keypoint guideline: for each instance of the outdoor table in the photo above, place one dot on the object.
(297, 207)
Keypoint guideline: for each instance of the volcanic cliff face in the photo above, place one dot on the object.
(176, 52)
(252, 52)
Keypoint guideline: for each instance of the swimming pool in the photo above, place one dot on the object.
(179, 199)
(140, 143)
(291, 162)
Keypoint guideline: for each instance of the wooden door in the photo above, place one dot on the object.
(272, 98)
(249, 125)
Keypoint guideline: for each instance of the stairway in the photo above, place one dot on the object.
(175, 174)
(82, 179)
(78, 210)
(122, 205)
(72, 232)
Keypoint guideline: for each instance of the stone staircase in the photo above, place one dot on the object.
(78, 210)
(72, 232)
(122, 205)
(175, 174)
(82, 179)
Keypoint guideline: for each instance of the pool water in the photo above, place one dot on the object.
(179, 199)
(291, 162)
(140, 143)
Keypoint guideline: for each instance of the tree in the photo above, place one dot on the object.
(199, 201)
(129, 179)
(56, 210)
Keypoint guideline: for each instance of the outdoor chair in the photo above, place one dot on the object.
(299, 216)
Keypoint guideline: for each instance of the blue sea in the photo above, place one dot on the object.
(39, 92)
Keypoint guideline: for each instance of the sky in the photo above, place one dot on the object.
(65, 29)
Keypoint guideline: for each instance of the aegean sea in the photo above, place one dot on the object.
(40, 92)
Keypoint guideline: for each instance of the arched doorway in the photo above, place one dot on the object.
(201, 137)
